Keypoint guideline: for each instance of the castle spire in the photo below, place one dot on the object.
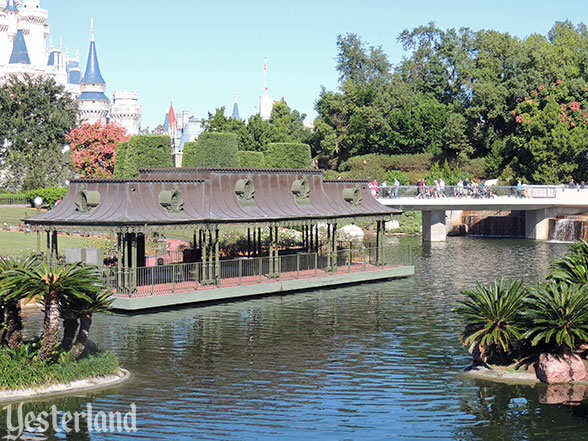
(92, 29)
(265, 75)
(92, 74)
(20, 54)
(235, 109)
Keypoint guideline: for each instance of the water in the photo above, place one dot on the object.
(371, 362)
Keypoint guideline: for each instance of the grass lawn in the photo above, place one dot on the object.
(13, 215)
(13, 243)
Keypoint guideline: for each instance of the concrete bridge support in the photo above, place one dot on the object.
(537, 223)
(434, 226)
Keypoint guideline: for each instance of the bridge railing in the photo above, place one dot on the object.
(474, 192)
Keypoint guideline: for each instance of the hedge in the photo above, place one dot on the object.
(49, 195)
(212, 149)
(119, 163)
(143, 151)
(288, 155)
(252, 159)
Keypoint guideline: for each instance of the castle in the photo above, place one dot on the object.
(23, 51)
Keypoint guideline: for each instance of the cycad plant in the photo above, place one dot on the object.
(558, 315)
(10, 298)
(52, 284)
(82, 307)
(573, 267)
(492, 316)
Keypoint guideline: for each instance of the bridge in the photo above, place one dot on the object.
(539, 202)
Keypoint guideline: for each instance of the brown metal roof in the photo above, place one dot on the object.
(210, 195)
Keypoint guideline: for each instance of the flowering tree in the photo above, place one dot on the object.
(93, 148)
(551, 134)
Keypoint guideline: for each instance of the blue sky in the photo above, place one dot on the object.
(198, 53)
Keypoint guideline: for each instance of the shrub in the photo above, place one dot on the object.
(251, 159)
(476, 168)
(402, 178)
(144, 151)
(558, 314)
(119, 162)
(288, 155)
(573, 267)
(492, 317)
(49, 195)
(212, 149)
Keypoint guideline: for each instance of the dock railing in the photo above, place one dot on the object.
(454, 191)
(182, 277)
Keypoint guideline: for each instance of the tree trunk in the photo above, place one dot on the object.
(13, 325)
(50, 326)
(82, 339)
(70, 327)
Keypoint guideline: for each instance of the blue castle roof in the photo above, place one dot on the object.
(10, 6)
(20, 54)
(166, 123)
(93, 96)
(93, 75)
(74, 73)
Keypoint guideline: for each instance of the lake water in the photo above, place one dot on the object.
(370, 362)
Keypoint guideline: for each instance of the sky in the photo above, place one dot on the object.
(196, 54)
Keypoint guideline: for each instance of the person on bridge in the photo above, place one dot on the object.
(519, 189)
(396, 187)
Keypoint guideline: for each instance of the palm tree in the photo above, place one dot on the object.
(54, 283)
(10, 299)
(83, 307)
(558, 314)
(573, 267)
(491, 315)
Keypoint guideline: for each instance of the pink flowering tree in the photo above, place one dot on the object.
(93, 148)
(551, 134)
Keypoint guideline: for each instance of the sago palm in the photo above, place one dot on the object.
(53, 283)
(573, 267)
(492, 315)
(558, 314)
(10, 298)
(83, 307)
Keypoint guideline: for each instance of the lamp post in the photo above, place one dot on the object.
(38, 201)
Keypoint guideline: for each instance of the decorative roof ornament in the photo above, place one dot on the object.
(245, 191)
(11, 6)
(172, 200)
(301, 191)
(86, 200)
(353, 196)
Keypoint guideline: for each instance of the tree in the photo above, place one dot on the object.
(359, 62)
(93, 148)
(53, 284)
(35, 116)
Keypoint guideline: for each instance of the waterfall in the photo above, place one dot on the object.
(567, 229)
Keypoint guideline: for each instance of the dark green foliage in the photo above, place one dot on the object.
(213, 149)
(121, 157)
(558, 315)
(492, 316)
(49, 195)
(573, 267)
(36, 116)
(17, 372)
(144, 151)
(288, 155)
(251, 159)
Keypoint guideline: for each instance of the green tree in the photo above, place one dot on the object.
(36, 114)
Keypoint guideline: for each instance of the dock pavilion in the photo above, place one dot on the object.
(206, 201)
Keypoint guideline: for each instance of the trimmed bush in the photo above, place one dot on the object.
(49, 195)
(402, 178)
(252, 159)
(288, 155)
(212, 149)
(119, 163)
(142, 151)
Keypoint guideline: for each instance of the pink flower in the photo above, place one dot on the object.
(541, 87)
(558, 81)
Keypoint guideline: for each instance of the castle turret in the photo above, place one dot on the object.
(126, 111)
(236, 109)
(93, 103)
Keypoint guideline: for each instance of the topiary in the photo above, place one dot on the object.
(212, 149)
(288, 155)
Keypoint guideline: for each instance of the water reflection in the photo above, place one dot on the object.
(376, 361)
